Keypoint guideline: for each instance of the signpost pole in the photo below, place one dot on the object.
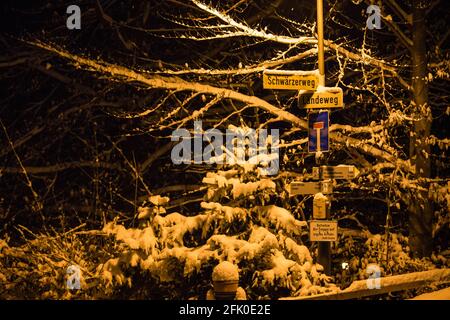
(320, 42)
(324, 249)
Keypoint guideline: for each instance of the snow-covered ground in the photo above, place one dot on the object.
(443, 294)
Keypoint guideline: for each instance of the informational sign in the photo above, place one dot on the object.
(318, 137)
(347, 172)
(323, 230)
(290, 80)
(321, 204)
(300, 187)
(324, 97)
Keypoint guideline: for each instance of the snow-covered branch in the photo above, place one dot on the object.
(175, 83)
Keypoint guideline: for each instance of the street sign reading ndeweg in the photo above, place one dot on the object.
(318, 138)
(290, 79)
(323, 97)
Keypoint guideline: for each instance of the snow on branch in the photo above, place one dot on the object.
(244, 70)
(244, 30)
(176, 83)
(247, 31)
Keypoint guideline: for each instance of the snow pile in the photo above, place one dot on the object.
(111, 271)
(264, 238)
(158, 200)
(260, 241)
(245, 189)
(174, 226)
(329, 89)
(280, 270)
(281, 218)
(319, 196)
(147, 213)
(230, 214)
(225, 271)
(236, 187)
(135, 238)
(300, 253)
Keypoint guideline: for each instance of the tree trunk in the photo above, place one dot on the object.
(420, 211)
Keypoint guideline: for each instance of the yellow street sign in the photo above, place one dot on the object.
(290, 79)
(324, 97)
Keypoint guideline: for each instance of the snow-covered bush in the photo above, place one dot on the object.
(237, 223)
(38, 268)
(390, 254)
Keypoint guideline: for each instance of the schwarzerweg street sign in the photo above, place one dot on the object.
(290, 79)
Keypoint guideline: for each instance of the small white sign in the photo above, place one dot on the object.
(323, 230)
(335, 172)
(73, 277)
(300, 187)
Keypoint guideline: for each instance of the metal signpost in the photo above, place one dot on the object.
(324, 248)
(314, 95)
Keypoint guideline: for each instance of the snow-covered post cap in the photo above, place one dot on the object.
(225, 271)
(158, 200)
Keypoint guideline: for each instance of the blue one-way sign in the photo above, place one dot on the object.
(318, 139)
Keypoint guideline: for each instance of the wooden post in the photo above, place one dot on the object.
(320, 42)
(324, 250)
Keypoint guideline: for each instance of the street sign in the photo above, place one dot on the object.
(300, 187)
(290, 79)
(322, 98)
(318, 138)
(321, 205)
(335, 172)
(323, 230)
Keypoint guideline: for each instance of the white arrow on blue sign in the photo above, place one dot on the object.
(318, 138)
